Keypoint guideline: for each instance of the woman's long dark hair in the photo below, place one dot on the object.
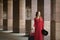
(37, 13)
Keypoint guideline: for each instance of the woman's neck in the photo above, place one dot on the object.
(38, 17)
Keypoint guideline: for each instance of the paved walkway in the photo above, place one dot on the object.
(15, 36)
(11, 36)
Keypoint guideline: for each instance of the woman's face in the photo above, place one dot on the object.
(39, 13)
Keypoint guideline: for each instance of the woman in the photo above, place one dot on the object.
(39, 25)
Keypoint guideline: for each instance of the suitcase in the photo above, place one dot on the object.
(31, 36)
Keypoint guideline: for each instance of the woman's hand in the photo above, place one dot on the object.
(33, 29)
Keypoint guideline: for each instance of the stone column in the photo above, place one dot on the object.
(53, 20)
(1, 14)
(47, 17)
(40, 7)
(34, 10)
(57, 20)
(5, 11)
(10, 15)
(22, 16)
(15, 16)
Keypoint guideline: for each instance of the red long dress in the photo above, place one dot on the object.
(39, 25)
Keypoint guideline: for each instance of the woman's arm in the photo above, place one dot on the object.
(34, 22)
(42, 23)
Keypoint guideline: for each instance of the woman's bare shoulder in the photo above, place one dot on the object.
(34, 18)
(41, 18)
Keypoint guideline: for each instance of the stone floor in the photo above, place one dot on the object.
(6, 35)
(11, 36)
